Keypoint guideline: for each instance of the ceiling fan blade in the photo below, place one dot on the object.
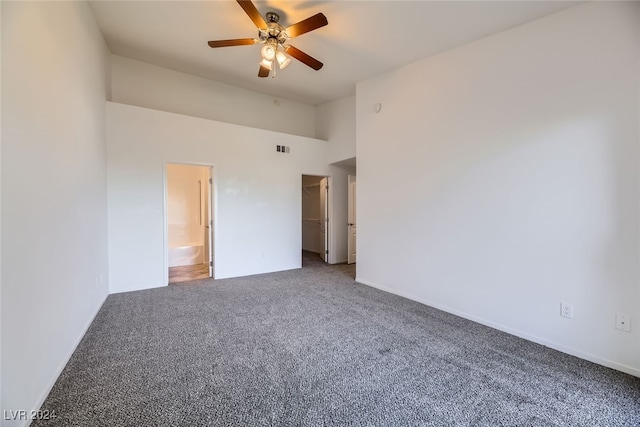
(316, 21)
(303, 57)
(232, 42)
(263, 72)
(253, 13)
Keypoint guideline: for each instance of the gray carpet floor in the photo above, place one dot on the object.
(311, 347)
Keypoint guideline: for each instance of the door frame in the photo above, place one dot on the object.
(352, 200)
(324, 216)
(213, 204)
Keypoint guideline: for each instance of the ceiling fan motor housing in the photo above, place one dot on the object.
(273, 31)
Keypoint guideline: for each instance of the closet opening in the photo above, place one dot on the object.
(315, 219)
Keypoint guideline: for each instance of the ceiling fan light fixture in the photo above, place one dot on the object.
(276, 53)
(283, 60)
(266, 63)
(268, 52)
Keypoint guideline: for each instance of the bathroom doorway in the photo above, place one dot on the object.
(189, 195)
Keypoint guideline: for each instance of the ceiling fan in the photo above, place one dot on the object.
(276, 52)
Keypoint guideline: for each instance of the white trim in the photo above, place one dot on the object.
(331, 259)
(143, 288)
(61, 367)
(165, 224)
(551, 344)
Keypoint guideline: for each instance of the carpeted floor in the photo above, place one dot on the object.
(311, 347)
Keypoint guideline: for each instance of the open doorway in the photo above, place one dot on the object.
(315, 219)
(189, 222)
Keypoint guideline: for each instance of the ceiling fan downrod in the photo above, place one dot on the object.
(273, 17)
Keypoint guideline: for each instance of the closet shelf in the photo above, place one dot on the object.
(309, 188)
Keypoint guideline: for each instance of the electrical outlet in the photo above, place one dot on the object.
(623, 322)
(566, 310)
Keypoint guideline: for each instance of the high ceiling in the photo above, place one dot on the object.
(363, 38)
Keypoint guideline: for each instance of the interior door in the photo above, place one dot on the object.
(324, 219)
(351, 241)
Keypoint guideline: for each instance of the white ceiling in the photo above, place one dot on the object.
(363, 38)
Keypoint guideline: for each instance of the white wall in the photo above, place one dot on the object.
(338, 207)
(141, 84)
(257, 192)
(513, 181)
(54, 213)
(158, 88)
(336, 124)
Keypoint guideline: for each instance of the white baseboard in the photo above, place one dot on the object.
(539, 340)
(140, 288)
(61, 367)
